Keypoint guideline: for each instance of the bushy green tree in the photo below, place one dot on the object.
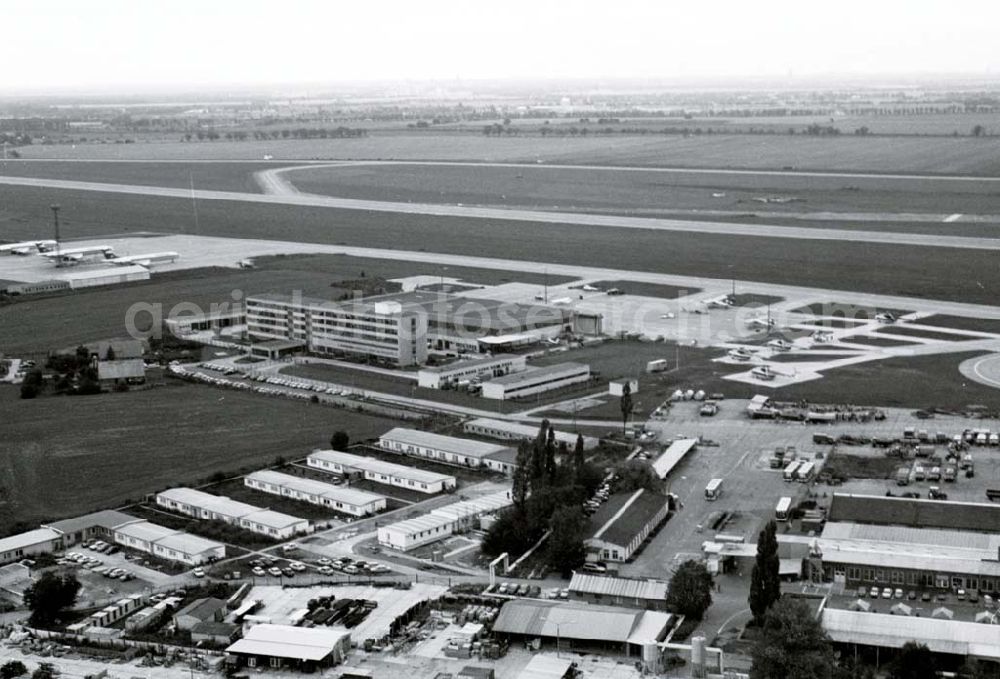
(633, 475)
(792, 644)
(914, 661)
(568, 531)
(625, 404)
(340, 440)
(690, 590)
(49, 596)
(13, 668)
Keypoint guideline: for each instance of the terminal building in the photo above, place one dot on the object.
(338, 498)
(398, 328)
(623, 523)
(378, 471)
(437, 447)
(503, 430)
(206, 506)
(536, 381)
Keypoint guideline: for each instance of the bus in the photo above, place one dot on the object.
(793, 466)
(784, 509)
(805, 472)
(713, 491)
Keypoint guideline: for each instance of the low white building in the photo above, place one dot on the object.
(446, 449)
(190, 549)
(338, 498)
(379, 471)
(205, 506)
(110, 276)
(166, 543)
(439, 377)
(503, 430)
(441, 522)
(617, 387)
(536, 381)
(297, 648)
(25, 545)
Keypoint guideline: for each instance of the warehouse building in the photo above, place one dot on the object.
(110, 276)
(623, 523)
(210, 507)
(25, 545)
(446, 449)
(503, 430)
(536, 381)
(399, 328)
(95, 526)
(285, 647)
(37, 288)
(338, 498)
(650, 595)
(453, 374)
(960, 639)
(165, 543)
(441, 522)
(378, 471)
(198, 611)
(583, 626)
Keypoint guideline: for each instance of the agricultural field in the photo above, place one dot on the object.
(873, 268)
(62, 456)
(847, 153)
(217, 176)
(648, 193)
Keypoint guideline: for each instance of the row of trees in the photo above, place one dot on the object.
(261, 135)
(550, 485)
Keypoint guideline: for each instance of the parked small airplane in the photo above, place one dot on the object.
(720, 302)
(27, 247)
(821, 337)
(885, 317)
(590, 288)
(780, 344)
(740, 354)
(763, 372)
(761, 323)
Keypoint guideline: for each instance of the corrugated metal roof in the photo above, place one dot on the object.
(442, 516)
(285, 641)
(585, 583)
(674, 453)
(380, 466)
(542, 372)
(918, 513)
(121, 370)
(650, 628)
(893, 631)
(523, 430)
(568, 620)
(986, 542)
(273, 519)
(450, 444)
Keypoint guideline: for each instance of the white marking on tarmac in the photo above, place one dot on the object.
(953, 218)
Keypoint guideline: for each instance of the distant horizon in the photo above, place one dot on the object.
(174, 93)
(122, 46)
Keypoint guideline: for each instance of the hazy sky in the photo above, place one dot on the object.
(106, 44)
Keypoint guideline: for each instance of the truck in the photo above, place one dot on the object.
(657, 366)
(790, 470)
(903, 476)
(934, 474)
(949, 474)
(919, 473)
(804, 473)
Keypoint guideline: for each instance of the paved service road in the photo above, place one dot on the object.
(536, 216)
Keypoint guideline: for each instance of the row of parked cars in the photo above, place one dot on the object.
(270, 566)
(522, 589)
(889, 593)
(292, 383)
(600, 497)
(95, 565)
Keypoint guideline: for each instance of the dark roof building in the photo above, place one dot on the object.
(916, 513)
(611, 591)
(199, 610)
(620, 527)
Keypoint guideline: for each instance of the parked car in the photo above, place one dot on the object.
(898, 593)
(198, 572)
(274, 571)
(258, 571)
(887, 593)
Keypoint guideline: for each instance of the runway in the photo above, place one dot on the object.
(533, 216)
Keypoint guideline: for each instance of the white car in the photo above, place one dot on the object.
(198, 572)
(297, 566)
